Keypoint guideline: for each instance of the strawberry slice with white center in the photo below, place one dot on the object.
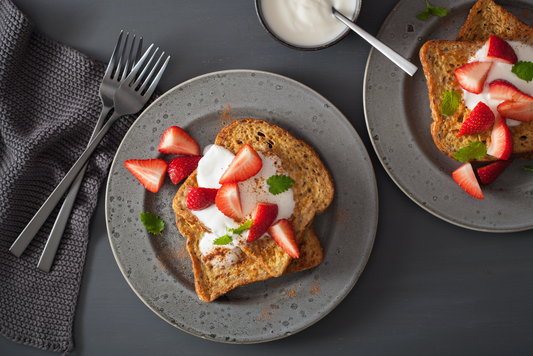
(150, 172)
(501, 51)
(199, 198)
(246, 164)
(501, 89)
(180, 167)
(264, 215)
(501, 142)
(479, 120)
(517, 110)
(175, 141)
(283, 233)
(466, 178)
(489, 173)
(228, 201)
(471, 76)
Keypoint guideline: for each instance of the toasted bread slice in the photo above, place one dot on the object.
(313, 188)
(439, 60)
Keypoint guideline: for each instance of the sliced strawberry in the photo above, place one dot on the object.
(471, 76)
(199, 198)
(501, 89)
(466, 178)
(517, 110)
(501, 51)
(501, 142)
(479, 120)
(246, 164)
(489, 173)
(175, 141)
(264, 215)
(150, 172)
(283, 233)
(180, 167)
(228, 201)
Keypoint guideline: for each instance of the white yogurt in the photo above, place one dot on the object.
(306, 23)
(210, 168)
(500, 71)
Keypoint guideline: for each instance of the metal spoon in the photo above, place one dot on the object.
(391, 54)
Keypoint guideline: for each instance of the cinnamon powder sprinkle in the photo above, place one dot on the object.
(316, 288)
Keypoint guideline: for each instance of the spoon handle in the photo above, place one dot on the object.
(400, 61)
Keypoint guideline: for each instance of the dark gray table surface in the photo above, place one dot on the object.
(429, 288)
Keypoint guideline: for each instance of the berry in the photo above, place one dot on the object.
(283, 233)
(517, 110)
(471, 76)
(479, 120)
(150, 172)
(489, 173)
(500, 51)
(264, 215)
(175, 141)
(466, 178)
(246, 164)
(501, 142)
(180, 167)
(501, 89)
(228, 201)
(199, 198)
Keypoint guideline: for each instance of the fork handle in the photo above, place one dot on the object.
(29, 232)
(50, 249)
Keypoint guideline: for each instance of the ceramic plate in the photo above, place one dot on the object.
(158, 268)
(398, 119)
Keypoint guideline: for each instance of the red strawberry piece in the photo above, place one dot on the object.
(479, 120)
(283, 233)
(501, 142)
(228, 201)
(199, 198)
(466, 178)
(150, 172)
(517, 110)
(501, 89)
(180, 167)
(264, 215)
(175, 141)
(501, 51)
(471, 76)
(246, 164)
(489, 173)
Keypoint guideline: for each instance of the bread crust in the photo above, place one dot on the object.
(439, 60)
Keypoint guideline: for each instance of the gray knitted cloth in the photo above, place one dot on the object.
(48, 108)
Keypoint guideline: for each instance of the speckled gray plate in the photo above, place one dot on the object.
(158, 268)
(398, 120)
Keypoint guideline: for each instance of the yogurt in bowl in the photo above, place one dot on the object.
(306, 24)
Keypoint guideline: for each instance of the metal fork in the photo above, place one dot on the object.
(130, 98)
(120, 65)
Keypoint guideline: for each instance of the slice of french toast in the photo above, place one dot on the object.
(313, 192)
(439, 60)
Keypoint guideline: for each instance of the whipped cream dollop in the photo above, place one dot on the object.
(213, 164)
(500, 71)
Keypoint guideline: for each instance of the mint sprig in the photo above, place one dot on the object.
(450, 102)
(523, 70)
(226, 239)
(279, 183)
(528, 168)
(431, 10)
(475, 150)
(153, 223)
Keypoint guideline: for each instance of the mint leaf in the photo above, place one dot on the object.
(153, 223)
(523, 70)
(432, 10)
(241, 228)
(223, 240)
(450, 102)
(279, 184)
(528, 168)
(475, 150)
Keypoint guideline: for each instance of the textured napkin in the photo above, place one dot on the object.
(48, 108)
